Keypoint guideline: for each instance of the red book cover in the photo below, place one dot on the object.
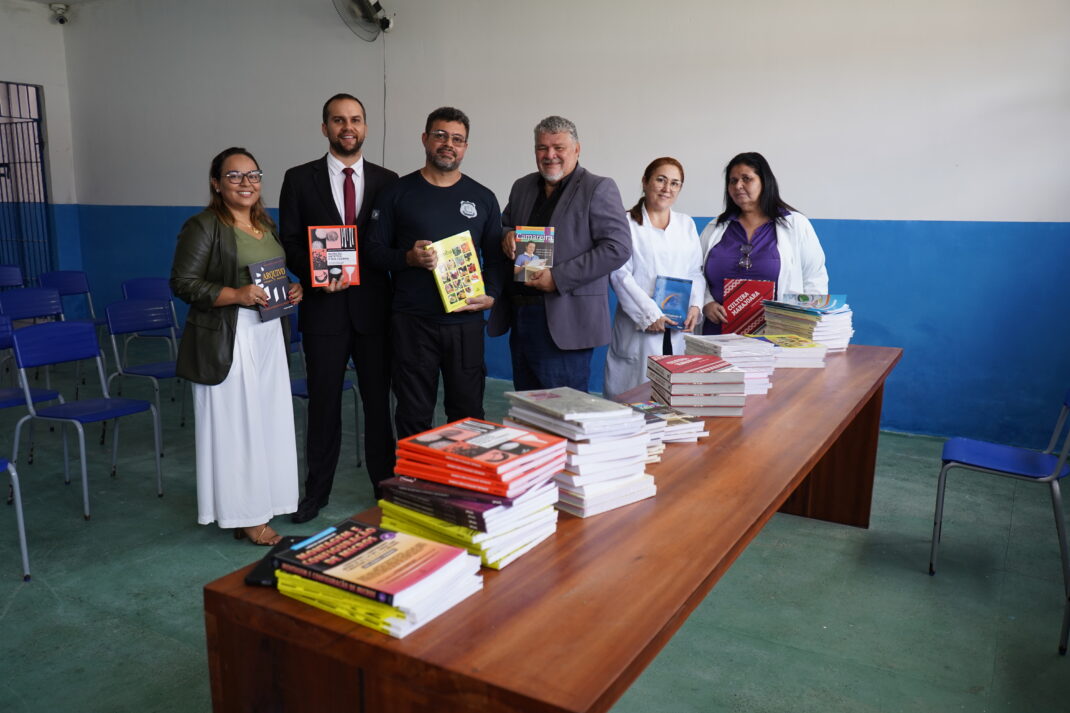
(690, 368)
(489, 447)
(743, 303)
(332, 254)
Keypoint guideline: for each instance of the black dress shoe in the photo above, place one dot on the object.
(304, 514)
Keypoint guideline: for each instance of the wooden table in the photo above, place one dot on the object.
(569, 626)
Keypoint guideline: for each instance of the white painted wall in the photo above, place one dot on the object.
(873, 110)
(32, 52)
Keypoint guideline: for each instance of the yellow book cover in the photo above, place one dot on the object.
(788, 341)
(457, 274)
(360, 610)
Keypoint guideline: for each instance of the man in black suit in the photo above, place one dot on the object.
(341, 320)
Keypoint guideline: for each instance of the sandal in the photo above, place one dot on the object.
(258, 535)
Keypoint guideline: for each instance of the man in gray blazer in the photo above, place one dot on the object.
(559, 315)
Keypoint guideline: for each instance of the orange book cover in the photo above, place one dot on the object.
(487, 446)
(332, 254)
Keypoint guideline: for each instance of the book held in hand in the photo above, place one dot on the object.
(270, 275)
(534, 251)
(332, 254)
(673, 296)
(743, 303)
(457, 273)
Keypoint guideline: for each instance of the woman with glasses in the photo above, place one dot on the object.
(664, 244)
(758, 237)
(246, 452)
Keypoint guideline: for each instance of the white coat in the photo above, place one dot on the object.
(673, 252)
(802, 261)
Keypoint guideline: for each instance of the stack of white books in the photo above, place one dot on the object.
(826, 319)
(754, 357)
(791, 351)
(698, 385)
(606, 453)
(678, 427)
(654, 428)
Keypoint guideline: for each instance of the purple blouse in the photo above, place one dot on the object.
(724, 258)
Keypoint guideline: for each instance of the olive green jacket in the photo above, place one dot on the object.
(206, 261)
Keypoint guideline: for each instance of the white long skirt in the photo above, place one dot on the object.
(246, 449)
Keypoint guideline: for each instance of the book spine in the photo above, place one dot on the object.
(443, 510)
(307, 573)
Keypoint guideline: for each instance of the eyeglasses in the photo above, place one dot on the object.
(236, 176)
(744, 260)
(662, 181)
(442, 137)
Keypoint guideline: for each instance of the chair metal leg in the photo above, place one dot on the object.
(20, 523)
(159, 449)
(156, 395)
(1060, 529)
(66, 456)
(115, 447)
(938, 517)
(85, 469)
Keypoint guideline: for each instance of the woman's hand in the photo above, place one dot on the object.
(660, 324)
(715, 312)
(692, 319)
(295, 293)
(251, 296)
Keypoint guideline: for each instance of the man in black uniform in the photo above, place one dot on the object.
(436, 202)
(340, 321)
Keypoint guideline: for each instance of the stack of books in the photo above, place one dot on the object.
(607, 449)
(826, 319)
(754, 357)
(482, 486)
(389, 581)
(677, 426)
(791, 351)
(699, 385)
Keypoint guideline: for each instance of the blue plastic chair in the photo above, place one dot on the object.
(15, 397)
(17, 499)
(11, 276)
(1048, 466)
(58, 342)
(153, 288)
(32, 303)
(132, 316)
(71, 283)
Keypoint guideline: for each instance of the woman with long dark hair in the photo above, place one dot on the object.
(758, 237)
(664, 243)
(246, 452)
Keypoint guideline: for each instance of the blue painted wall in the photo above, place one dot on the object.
(974, 305)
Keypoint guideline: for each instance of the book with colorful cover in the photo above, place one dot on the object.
(743, 303)
(332, 254)
(568, 404)
(270, 275)
(534, 250)
(415, 487)
(389, 567)
(788, 341)
(673, 296)
(692, 369)
(491, 448)
(457, 273)
(812, 303)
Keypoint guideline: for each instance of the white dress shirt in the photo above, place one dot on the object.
(334, 169)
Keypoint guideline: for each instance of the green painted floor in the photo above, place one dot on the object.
(812, 617)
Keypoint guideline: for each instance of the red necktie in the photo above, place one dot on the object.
(349, 197)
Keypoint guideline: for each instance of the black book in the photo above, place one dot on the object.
(271, 276)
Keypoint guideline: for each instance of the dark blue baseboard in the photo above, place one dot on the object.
(974, 305)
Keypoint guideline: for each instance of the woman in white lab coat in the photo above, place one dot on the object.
(664, 243)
